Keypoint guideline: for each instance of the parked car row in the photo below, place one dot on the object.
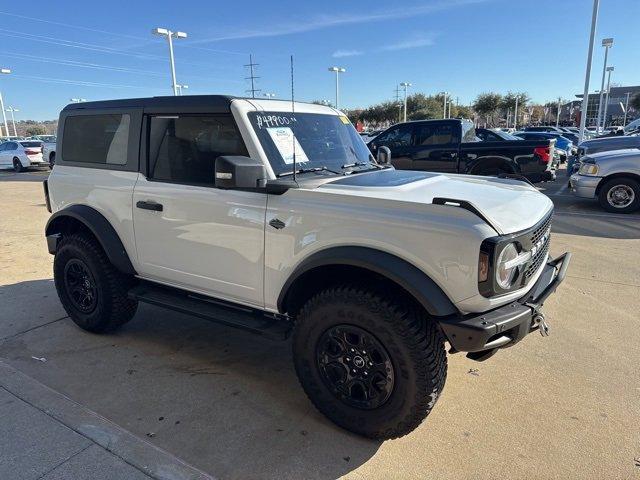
(21, 153)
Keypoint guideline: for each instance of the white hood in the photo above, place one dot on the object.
(510, 205)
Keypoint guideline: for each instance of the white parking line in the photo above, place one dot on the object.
(564, 188)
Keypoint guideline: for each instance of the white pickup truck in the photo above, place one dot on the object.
(276, 218)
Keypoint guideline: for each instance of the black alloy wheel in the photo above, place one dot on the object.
(80, 285)
(355, 366)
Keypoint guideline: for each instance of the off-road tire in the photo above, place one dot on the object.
(415, 345)
(113, 308)
(630, 183)
(17, 165)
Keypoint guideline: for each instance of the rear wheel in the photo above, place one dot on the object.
(17, 165)
(371, 362)
(492, 169)
(91, 290)
(620, 195)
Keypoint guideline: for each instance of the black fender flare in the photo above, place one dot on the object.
(99, 226)
(408, 276)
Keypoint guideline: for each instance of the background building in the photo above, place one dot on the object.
(615, 114)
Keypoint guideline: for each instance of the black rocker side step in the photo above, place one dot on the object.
(272, 326)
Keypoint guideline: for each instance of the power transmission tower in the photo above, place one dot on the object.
(253, 90)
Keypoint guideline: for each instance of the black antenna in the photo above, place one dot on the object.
(253, 90)
(293, 112)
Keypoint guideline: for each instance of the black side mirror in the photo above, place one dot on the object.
(383, 156)
(239, 172)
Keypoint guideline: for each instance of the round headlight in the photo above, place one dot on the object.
(505, 276)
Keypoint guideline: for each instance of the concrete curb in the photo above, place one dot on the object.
(146, 457)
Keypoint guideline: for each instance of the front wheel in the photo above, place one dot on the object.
(371, 363)
(620, 195)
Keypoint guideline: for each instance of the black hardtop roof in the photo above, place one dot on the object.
(187, 101)
(214, 103)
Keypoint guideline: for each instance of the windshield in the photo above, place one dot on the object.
(318, 140)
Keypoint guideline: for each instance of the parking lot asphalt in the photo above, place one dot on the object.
(170, 396)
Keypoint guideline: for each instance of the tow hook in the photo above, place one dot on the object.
(539, 321)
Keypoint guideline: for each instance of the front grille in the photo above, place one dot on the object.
(541, 253)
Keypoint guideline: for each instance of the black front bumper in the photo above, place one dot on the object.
(506, 325)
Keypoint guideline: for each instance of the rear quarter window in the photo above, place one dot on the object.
(97, 139)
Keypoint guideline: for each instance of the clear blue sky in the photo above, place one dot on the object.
(99, 50)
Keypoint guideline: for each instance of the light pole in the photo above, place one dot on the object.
(13, 120)
(606, 101)
(338, 71)
(515, 115)
(626, 109)
(607, 43)
(444, 104)
(558, 112)
(269, 95)
(77, 100)
(170, 36)
(585, 95)
(180, 87)
(4, 71)
(405, 85)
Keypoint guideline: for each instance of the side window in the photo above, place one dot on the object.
(435, 135)
(12, 146)
(397, 137)
(184, 148)
(101, 139)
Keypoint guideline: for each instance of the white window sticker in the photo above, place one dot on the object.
(284, 139)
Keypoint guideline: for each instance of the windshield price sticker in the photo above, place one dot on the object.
(270, 121)
(345, 120)
(284, 139)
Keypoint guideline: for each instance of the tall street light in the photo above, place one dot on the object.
(444, 105)
(338, 71)
(626, 109)
(559, 110)
(585, 95)
(13, 119)
(170, 36)
(4, 71)
(606, 101)
(515, 114)
(405, 85)
(607, 43)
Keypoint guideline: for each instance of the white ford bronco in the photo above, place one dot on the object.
(274, 217)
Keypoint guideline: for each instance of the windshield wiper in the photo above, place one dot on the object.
(355, 164)
(309, 170)
(371, 165)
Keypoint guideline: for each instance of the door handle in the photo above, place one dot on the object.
(156, 207)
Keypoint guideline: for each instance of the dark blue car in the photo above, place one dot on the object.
(563, 144)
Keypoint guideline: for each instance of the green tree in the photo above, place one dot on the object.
(487, 105)
(35, 130)
(635, 101)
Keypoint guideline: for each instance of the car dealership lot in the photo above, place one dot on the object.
(228, 403)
